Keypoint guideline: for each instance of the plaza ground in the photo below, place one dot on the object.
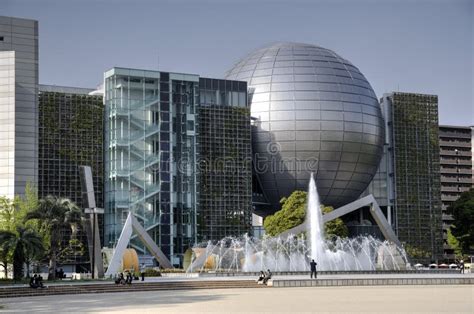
(406, 299)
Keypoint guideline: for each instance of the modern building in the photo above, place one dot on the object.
(414, 172)
(314, 112)
(381, 187)
(152, 157)
(70, 135)
(225, 160)
(456, 168)
(18, 105)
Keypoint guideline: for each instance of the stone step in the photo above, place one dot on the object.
(107, 288)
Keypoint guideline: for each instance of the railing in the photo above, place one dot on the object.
(460, 153)
(454, 143)
(456, 170)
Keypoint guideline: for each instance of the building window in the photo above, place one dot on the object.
(1, 38)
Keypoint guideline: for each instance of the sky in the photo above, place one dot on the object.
(422, 46)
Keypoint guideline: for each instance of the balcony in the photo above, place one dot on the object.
(448, 134)
(454, 161)
(454, 143)
(455, 189)
(449, 198)
(450, 152)
(456, 179)
(449, 189)
(456, 170)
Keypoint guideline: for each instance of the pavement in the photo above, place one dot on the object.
(380, 299)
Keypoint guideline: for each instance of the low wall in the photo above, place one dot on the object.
(370, 282)
(362, 272)
(180, 275)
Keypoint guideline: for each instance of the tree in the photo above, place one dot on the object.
(8, 218)
(416, 252)
(462, 211)
(25, 244)
(55, 214)
(16, 234)
(454, 244)
(335, 227)
(293, 213)
(24, 204)
(5, 256)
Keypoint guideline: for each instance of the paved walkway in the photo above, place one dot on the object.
(401, 299)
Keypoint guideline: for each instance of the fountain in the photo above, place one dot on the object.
(293, 252)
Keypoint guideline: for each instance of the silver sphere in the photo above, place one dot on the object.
(315, 112)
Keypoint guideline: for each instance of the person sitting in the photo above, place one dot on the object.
(33, 282)
(267, 277)
(261, 277)
(129, 278)
(39, 281)
(120, 279)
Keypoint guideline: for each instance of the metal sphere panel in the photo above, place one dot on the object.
(316, 112)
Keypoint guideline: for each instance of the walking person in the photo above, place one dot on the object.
(313, 269)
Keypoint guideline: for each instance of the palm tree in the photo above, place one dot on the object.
(25, 243)
(54, 214)
(5, 250)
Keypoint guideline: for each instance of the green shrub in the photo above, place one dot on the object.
(151, 272)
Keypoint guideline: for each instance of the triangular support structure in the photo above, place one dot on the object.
(375, 210)
(132, 225)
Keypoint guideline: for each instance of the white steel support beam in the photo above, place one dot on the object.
(375, 211)
(132, 225)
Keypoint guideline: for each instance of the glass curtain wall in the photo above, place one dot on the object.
(142, 173)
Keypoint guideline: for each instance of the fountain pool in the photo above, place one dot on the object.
(293, 252)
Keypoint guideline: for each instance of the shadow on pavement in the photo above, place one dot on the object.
(106, 301)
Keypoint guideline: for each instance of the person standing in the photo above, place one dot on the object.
(142, 272)
(313, 269)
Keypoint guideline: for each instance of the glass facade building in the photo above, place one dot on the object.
(18, 105)
(225, 160)
(167, 139)
(150, 121)
(414, 172)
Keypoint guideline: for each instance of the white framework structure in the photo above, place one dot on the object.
(132, 225)
(375, 210)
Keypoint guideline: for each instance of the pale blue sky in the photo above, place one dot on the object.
(423, 46)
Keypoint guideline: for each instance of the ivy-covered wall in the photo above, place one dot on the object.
(417, 173)
(70, 135)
